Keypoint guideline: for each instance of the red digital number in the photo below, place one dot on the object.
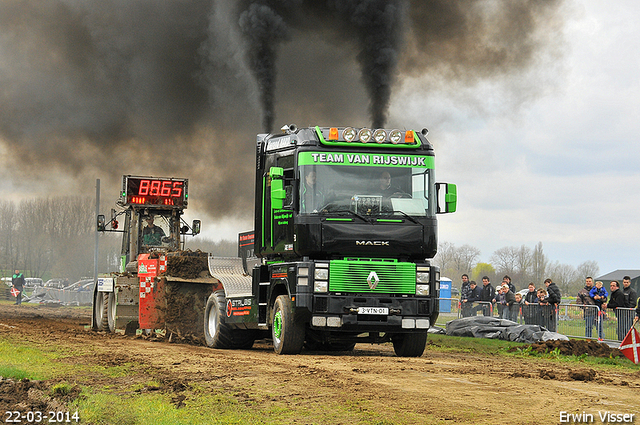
(159, 188)
(177, 189)
(155, 188)
(166, 188)
(144, 188)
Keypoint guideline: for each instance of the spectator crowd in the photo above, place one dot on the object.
(539, 306)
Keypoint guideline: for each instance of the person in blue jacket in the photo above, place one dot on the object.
(599, 294)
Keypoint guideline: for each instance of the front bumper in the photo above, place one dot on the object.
(340, 312)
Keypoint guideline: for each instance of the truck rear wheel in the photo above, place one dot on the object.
(409, 345)
(287, 334)
(217, 333)
(100, 311)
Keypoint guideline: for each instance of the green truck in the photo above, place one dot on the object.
(345, 226)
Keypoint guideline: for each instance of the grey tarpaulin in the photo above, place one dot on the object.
(494, 328)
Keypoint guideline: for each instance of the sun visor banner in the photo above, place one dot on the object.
(366, 159)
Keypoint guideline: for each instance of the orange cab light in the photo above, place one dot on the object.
(408, 137)
(333, 133)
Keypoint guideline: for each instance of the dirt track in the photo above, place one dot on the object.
(463, 388)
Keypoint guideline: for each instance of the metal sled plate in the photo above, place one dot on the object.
(229, 271)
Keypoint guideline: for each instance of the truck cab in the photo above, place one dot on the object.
(345, 226)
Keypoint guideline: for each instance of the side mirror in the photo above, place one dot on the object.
(278, 194)
(195, 227)
(447, 203)
(101, 224)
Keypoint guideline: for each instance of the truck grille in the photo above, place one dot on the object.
(351, 276)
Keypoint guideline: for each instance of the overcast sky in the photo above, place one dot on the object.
(561, 169)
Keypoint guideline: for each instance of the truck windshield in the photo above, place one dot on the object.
(328, 188)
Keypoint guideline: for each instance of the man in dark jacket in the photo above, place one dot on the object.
(465, 289)
(589, 306)
(512, 287)
(511, 308)
(630, 299)
(554, 297)
(473, 296)
(617, 301)
(486, 295)
(531, 309)
(18, 282)
(630, 295)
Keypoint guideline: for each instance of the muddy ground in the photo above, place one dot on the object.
(437, 387)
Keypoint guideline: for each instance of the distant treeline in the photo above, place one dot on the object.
(52, 237)
(522, 264)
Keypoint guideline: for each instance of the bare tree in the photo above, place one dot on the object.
(465, 258)
(8, 229)
(539, 264)
(445, 257)
(505, 260)
(564, 275)
(588, 268)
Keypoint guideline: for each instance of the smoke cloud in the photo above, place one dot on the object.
(102, 88)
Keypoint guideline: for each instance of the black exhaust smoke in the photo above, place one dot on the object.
(101, 88)
(263, 30)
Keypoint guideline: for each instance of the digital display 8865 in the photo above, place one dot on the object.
(155, 191)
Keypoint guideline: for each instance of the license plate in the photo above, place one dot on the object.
(373, 310)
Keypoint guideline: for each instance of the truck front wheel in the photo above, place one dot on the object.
(287, 334)
(409, 345)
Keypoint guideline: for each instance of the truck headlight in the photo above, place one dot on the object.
(422, 290)
(321, 274)
(320, 286)
(422, 277)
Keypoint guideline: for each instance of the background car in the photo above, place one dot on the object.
(54, 283)
(32, 282)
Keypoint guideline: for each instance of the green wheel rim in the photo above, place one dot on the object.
(277, 324)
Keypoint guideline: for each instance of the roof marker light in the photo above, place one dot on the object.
(365, 135)
(395, 136)
(380, 135)
(408, 137)
(333, 133)
(349, 134)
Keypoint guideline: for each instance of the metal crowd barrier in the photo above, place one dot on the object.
(572, 320)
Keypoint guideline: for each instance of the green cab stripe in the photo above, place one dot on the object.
(366, 159)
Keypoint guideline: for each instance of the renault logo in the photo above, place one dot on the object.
(373, 280)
